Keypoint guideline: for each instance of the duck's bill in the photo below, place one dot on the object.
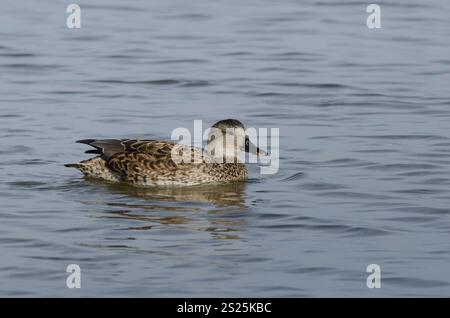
(253, 149)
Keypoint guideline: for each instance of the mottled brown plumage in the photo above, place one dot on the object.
(151, 162)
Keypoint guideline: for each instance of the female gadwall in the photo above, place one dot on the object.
(153, 162)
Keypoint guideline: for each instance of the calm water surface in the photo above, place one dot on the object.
(365, 147)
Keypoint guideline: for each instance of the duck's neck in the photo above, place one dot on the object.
(223, 154)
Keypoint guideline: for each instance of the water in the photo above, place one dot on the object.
(365, 148)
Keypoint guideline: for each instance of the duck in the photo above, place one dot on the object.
(143, 162)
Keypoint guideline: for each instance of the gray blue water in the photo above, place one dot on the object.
(364, 148)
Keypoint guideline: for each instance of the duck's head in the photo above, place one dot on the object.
(227, 137)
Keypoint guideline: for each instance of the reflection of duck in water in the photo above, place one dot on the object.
(228, 194)
(152, 162)
(167, 206)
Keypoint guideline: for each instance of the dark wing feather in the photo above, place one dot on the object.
(105, 147)
(110, 147)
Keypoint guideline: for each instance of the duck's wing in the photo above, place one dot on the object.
(127, 155)
(110, 147)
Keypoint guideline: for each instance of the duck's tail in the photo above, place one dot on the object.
(73, 165)
(95, 168)
(85, 166)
